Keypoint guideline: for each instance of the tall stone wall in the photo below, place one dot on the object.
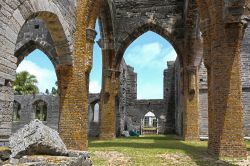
(27, 111)
(134, 18)
(132, 111)
(35, 35)
(179, 104)
(203, 100)
(169, 96)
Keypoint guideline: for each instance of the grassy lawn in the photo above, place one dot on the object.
(150, 151)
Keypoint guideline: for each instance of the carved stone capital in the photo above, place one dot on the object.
(65, 60)
(105, 44)
(236, 11)
(191, 69)
(91, 35)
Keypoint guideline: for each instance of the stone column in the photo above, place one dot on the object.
(225, 89)
(109, 92)
(191, 113)
(73, 83)
(72, 125)
(226, 118)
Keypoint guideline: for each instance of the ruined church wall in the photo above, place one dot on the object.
(169, 96)
(179, 105)
(132, 110)
(203, 100)
(27, 112)
(131, 21)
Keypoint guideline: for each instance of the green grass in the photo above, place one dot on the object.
(149, 128)
(3, 148)
(150, 151)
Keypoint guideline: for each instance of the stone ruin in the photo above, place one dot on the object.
(197, 30)
(37, 144)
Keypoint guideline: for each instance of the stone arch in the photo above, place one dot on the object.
(106, 23)
(140, 31)
(44, 10)
(40, 108)
(32, 45)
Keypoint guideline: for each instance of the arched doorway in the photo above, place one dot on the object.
(149, 124)
(148, 73)
(37, 57)
(40, 110)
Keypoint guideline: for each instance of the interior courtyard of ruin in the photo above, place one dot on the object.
(206, 90)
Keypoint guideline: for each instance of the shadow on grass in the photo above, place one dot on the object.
(198, 153)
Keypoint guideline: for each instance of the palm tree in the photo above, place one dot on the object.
(25, 84)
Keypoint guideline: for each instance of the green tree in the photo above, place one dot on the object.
(25, 84)
(47, 91)
(54, 91)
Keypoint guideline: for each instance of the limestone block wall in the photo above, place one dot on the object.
(132, 111)
(127, 94)
(27, 112)
(203, 100)
(179, 105)
(169, 96)
(135, 113)
(35, 35)
(133, 18)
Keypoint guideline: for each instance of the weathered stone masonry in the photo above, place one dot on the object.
(27, 111)
(221, 23)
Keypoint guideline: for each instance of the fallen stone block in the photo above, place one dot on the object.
(36, 139)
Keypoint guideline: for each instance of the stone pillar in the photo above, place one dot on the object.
(109, 92)
(226, 118)
(226, 133)
(72, 119)
(73, 84)
(191, 113)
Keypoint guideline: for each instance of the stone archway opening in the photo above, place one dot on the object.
(40, 110)
(149, 124)
(149, 55)
(147, 83)
(95, 80)
(37, 56)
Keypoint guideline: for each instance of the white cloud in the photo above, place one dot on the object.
(94, 87)
(149, 91)
(152, 55)
(46, 78)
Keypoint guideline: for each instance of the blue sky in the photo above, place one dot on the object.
(148, 54)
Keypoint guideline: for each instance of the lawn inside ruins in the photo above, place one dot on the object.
(153, 150)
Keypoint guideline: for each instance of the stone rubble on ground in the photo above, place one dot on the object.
(39, 145)
(36, 138)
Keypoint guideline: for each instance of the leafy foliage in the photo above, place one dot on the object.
(25, 84)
